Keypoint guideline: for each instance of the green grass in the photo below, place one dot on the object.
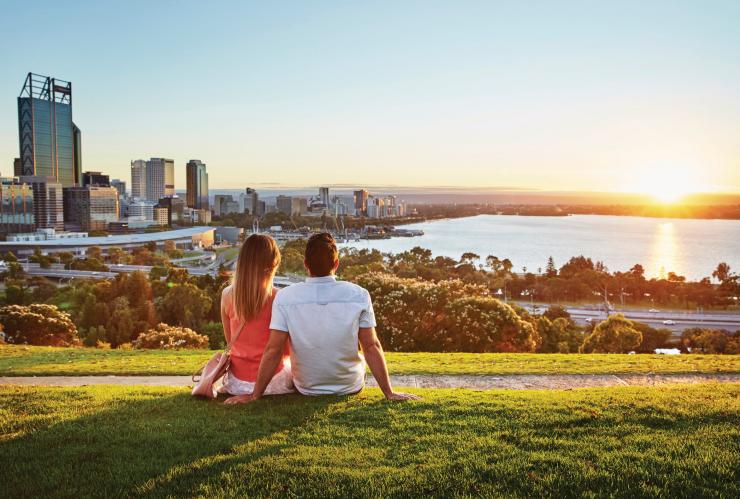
(39, 361)
(681, 441)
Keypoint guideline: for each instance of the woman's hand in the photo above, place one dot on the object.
(239, 399)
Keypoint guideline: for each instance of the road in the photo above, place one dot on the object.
(683, 320)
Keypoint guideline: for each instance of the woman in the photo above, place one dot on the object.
(246, 305)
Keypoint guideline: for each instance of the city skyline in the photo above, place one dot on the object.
(515, 96)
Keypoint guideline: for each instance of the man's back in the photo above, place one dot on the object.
(323, 317)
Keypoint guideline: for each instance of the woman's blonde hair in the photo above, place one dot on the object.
(258, 261)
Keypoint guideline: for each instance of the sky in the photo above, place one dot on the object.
(629, 96)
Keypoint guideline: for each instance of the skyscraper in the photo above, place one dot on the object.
(361, 202)
(48, 204)
(120, 186)
(324, 196)
(138, 179)
(252, 202)
(196, 184)
(50, 143)
(160, 178)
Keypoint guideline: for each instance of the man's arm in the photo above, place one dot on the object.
(270, 360)
(375, 358)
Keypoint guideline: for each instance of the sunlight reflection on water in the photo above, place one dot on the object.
(664, 253)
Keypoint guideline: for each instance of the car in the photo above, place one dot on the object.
(669, 322)
(653, 310)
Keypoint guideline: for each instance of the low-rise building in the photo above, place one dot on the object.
(16, 206)
(161, 215)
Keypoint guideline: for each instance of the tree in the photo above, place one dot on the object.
(94, 252)
(184, 305)
(44, 261)
(120, 325)
(116, 255)
(10, 257)
(38, 324)
(66, 258)
(722, 272)
(551, 271)
(469, 258)
(614, 335)
(494, 264)
(556, 312)
(710, 341)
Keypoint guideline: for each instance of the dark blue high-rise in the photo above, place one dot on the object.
(50, 142)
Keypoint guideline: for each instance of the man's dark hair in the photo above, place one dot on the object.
(321, 254)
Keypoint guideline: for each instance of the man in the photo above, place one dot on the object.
(324, 319)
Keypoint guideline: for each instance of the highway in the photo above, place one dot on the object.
(683, 320)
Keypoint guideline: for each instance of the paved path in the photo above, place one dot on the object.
(513, 382)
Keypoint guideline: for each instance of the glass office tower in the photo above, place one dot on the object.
(197, 184)
(50, 143)
(160, 179)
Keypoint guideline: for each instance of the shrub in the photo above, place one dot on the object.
(38, 324)
(447, 316)
(711, 341)
(652, 338)
(215, 333)
(169, 337)
(484, 324)
(560, 335)
(614, 335)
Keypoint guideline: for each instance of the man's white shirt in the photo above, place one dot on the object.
(323, 317)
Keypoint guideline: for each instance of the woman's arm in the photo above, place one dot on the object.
(225, 306)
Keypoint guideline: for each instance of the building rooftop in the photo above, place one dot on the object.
(114, 240)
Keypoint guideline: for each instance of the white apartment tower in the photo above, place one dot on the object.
(138, 179)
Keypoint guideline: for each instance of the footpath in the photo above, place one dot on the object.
(483, 382)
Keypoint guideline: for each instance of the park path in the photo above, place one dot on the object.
(482, 382)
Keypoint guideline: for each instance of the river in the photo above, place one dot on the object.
(692, 248)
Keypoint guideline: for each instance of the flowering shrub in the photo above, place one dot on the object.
(171, 337)
(38, 324)
(447, 316)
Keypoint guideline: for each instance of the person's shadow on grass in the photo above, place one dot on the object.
(140, 441)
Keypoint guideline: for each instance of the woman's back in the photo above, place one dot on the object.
(246, 353)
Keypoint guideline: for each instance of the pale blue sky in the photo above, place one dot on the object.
(550, 95)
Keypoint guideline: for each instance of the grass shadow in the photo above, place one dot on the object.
(137, 440)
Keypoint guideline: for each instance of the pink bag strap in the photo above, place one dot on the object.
(236, 337)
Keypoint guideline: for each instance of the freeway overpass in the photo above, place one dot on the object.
(58, 271)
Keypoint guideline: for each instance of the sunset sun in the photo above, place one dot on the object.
(667, 184)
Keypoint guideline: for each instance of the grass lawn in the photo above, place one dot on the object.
(38, 361)
(681, 441)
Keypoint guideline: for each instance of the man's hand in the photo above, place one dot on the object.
(239, 399)
(402, 396)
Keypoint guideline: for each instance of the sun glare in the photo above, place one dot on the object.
(667, 185)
